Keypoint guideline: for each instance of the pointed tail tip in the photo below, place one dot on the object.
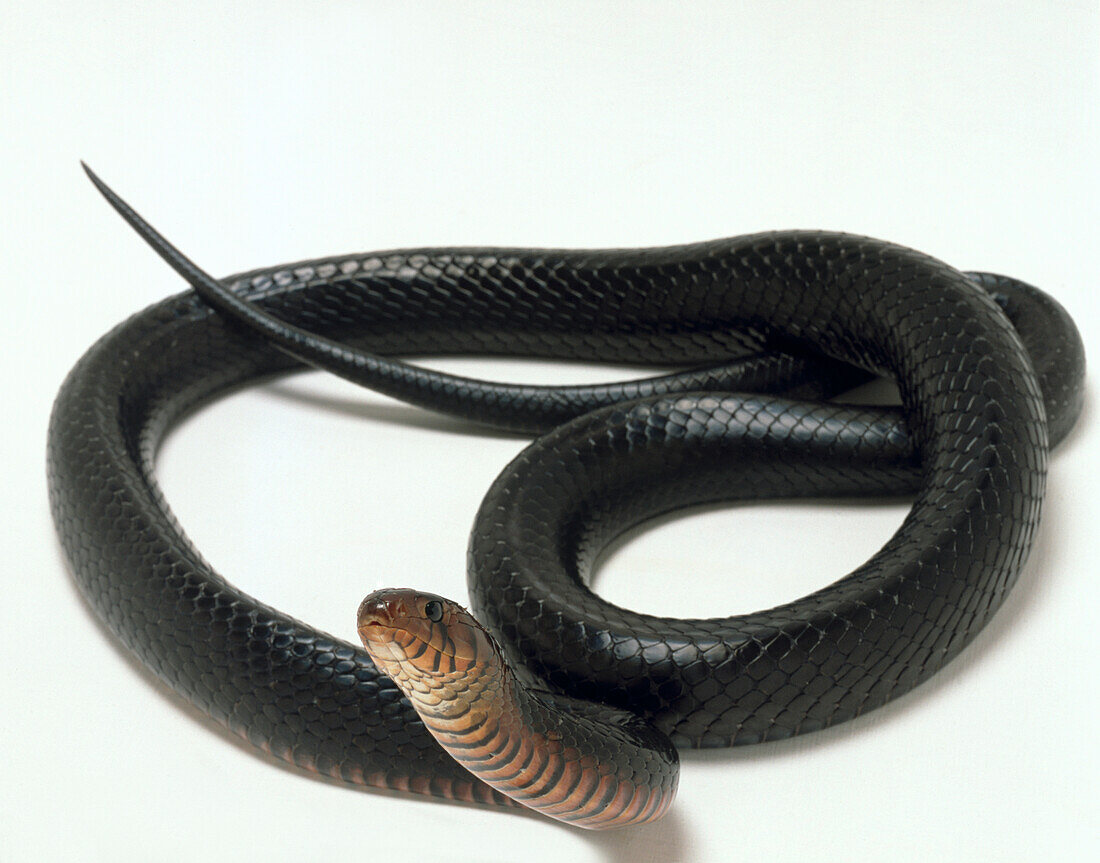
(93, 176)
(112, 197)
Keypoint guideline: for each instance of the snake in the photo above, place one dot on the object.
(542, 694)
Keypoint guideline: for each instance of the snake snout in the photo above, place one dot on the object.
(372, 610)
(383, 611)
(378, 613)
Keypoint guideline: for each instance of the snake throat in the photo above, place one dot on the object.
(542, 756)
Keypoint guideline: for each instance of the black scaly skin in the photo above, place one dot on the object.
(803, 666)
(975, 454)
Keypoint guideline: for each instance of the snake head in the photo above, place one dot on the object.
(432, 648)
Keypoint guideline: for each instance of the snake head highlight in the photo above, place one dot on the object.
(432, 648)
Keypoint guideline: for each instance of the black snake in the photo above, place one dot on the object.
(793, 318)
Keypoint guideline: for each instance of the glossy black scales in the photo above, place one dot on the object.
(970, 440)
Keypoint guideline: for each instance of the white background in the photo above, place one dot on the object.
(258, 133)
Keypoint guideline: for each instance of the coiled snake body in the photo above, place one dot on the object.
(788, 316)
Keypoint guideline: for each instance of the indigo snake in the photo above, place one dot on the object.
(772, 326)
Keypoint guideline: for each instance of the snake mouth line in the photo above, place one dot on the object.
(386, 635)
(375, 631)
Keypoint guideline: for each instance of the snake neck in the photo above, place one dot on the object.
(584, 763)
(463, 705)
(544, 754)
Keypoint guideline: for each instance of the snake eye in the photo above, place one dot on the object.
(433, 610)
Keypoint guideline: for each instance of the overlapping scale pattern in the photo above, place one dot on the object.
(973, 446)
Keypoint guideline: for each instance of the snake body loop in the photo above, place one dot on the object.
(790, 313)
